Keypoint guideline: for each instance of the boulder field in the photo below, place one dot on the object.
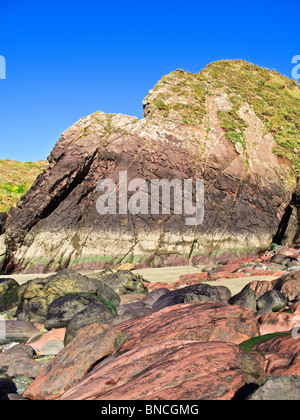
(179, 342)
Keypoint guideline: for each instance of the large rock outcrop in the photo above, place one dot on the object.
(173, 370)
(234, 125)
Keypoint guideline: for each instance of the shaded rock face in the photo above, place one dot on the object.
(289, 286)
(97, 313)
(63, 309)
(185, 134)
(38, 295)
(9, 296)
(196, 293)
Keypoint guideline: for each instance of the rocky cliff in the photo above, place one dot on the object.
(234, 125)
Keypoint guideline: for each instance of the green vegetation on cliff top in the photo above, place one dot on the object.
(274, 98)
(16, 178)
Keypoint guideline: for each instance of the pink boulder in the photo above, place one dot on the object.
(53, 335)
(199, 321)
(282, 355)
(172, 370)
(74, 361)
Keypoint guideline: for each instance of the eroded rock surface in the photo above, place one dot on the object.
(172, 370)
(197, 321)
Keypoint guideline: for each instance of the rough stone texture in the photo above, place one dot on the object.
(14, 354)
(228, 268)
(262, 272)
(9, 296)
(260, 287)
(106, 292)
(63, 309)
(98, 313)
(278, 322)
(16, 331)
(282, 388)
(195, 277)
(288, 285)
(195, 321)
(282, 355)
(273, 301)
(172, 370)
(133, 297)
(225, 293)
(195, 293)
(58, 335)
(37, 295)
(124, 282)
(24, 368)
(247, 187)
(295, 307)
(134, 307)
(246, 298)
(74, 361)
(153, 297)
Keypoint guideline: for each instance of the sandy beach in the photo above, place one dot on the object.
(165, 275)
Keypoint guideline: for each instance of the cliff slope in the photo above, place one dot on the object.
(234, 125)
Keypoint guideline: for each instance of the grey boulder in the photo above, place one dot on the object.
(194, 293)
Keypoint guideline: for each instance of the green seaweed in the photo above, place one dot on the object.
(249, 344)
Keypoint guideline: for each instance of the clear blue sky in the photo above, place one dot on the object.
(68, 59)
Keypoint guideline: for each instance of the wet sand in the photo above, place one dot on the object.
(165, 275)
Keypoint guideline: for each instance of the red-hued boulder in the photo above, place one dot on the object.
(288, 285)
(260, 286)
(282, 355)
(53, 335)
(227, 275)
(197, 321)
(229, 268)
(278, 322)
(199, 277)
(172, 370)
(252, 272)
(74, 361)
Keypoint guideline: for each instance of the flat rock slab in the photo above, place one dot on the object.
(172, 370)
(208, 321)
(74, 361)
